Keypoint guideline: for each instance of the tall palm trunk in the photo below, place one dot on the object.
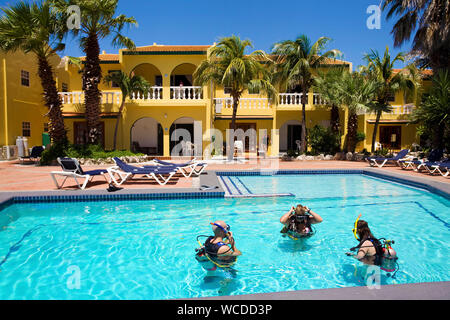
(352, 129)
(92, 76)
(334, 119)
(119, 115)
(57, 131)
(375, 129)
(236, 98)
(304, 101)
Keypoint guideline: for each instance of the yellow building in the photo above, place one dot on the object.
(22, 111)
(148, 122)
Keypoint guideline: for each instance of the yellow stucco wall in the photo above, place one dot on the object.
(24, 104)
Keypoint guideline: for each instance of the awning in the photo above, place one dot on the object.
(390, 121)
(78, 115)
(244, 118)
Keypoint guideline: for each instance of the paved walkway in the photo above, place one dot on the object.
(28, 177)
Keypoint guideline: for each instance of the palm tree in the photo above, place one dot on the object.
(430, 20)
(381, 69)
(326, 84)
(97, 21)
(434, 112)
(357, 93)
(229, 66)
(297, 60)
(34, 28)
(128, 86)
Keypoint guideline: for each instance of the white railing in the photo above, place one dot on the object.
(155, 93)
(291, 98)
(186, 93)
(406, 109)
(244, 103)
(286, 99)
(77, 97)
(396, 110)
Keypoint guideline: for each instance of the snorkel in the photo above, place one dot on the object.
(355, 228)
(227, 230)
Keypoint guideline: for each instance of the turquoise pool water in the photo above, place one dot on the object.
(145, 249)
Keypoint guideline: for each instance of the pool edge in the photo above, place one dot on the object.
(407, 291)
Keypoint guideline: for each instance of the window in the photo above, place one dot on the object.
(25, 78)
(391, 96)
(26, 129)
(158, 81)
(391, 137)
(227, 90)
(114, 84)
(45, 126)
(64, 87)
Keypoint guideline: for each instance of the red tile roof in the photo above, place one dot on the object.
(171, 48)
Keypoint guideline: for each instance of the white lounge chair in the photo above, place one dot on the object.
(72, 169)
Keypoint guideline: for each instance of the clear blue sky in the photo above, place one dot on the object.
(263, 22)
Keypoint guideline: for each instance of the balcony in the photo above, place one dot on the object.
(186, 93)
(295, 99)
(154, 96)
(246, 105)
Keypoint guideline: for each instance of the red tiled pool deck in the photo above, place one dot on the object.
(28, 177)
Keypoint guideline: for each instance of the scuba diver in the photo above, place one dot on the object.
(297, 222)
(219, 249)
(370, 250)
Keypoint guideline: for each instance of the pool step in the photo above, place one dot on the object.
(235, 188)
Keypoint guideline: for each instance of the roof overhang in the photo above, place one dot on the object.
(390, 121)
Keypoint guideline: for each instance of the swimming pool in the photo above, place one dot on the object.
(143, 249)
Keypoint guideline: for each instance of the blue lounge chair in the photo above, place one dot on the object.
(35, 154)
(419, 164)
(125, 171)
(187, 169)
(72, 169)
(383, 160)
(439, 167)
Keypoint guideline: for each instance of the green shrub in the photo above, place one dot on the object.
(323, 140)
(82, 151)
(293, 153)
(360, 137)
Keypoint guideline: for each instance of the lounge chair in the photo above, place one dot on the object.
(419, 164)
(72, 169)
(187, 169)
(35, 154)
(440, 168)
(383, 160)
(125, 171)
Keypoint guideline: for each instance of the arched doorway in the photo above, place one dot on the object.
(152, 74)
(147, 137)
(290, 133)
(186, 137)
(182, 82)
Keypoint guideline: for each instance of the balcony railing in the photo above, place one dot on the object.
(406, 109)
(291, 98)
(155, 93)
(186, 93)
(244, 103)
(295, 99)
(77, 97)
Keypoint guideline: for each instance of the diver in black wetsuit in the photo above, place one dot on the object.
(222, 245)
(370, 250)
(297, 222)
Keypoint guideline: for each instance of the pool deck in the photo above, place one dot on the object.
(22, 182)
(411, 291)
(31, 181)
